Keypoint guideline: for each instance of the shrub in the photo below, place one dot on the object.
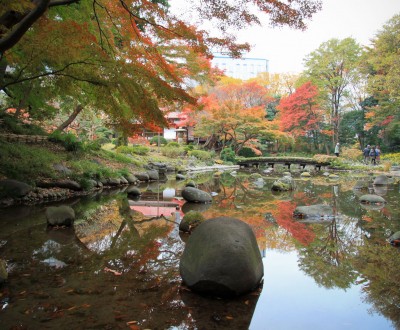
(247, 152)
(394, 158)
(92, 145)
(68, 140)
(133, 150)
(200, 154)
(228, 155)
(155, 139)
(173, 144)
(353, 154)
(172, 151)
(189, 147)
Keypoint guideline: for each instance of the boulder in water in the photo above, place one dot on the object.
(195, 195)
(372, 199)
(222, 258)
(60, 215)
(316, 212)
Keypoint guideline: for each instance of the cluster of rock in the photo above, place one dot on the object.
(16, 192)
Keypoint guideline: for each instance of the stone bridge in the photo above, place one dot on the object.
(287, 161)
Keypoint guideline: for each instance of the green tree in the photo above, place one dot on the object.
(333, 67)
(381, 63)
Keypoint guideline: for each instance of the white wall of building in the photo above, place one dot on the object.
(241, 68)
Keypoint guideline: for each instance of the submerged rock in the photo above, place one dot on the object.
(60, 215)
(381, 180)
(372, 199)
(283, 184)
(222, 258)
(318, 211)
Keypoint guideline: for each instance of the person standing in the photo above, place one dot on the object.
(337, 150)
(372, 155)
(366, 151)
(378, 154)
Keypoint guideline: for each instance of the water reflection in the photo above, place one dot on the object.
(121, 265)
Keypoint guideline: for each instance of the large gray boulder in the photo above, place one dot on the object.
(153, 175)
(222, 258)
(195, 195)
(60, 215)
(131, 178)
(14, 188)
(142, 176)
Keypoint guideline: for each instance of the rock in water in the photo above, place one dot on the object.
(60, 216)
(222, 258)
(195, 195)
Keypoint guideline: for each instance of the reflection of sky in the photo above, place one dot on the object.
(292, 300)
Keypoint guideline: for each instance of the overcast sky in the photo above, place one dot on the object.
(286, 48)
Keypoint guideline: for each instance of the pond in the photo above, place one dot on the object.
(119, 267)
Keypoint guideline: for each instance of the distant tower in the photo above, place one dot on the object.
(240, 68)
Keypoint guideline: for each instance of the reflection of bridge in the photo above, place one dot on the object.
(271, 161)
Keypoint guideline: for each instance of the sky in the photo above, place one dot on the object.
(286, 48)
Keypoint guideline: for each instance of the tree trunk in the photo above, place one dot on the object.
(71, 118)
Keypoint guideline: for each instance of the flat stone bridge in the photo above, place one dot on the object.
(287, 161)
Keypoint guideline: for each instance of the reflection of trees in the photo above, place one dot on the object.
(284, 217)
(328, 259)
(378, 266)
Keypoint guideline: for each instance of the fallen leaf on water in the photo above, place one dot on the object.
(106, 269)
(131, 322)
(229, 317)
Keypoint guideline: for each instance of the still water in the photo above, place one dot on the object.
(119, 267)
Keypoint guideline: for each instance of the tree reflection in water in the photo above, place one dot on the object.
(122, 266)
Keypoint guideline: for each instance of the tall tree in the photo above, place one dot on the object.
(382, 64)
(16, 19)
(235, 114)
(301, 115)
(333, 67)
(134, 53)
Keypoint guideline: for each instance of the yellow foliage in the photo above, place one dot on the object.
(370, 114)
(351, 154)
